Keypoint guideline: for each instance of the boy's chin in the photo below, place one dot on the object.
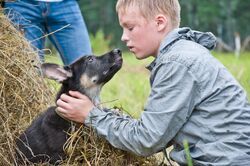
(140, 57)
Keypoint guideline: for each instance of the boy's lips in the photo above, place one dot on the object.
(131, 48)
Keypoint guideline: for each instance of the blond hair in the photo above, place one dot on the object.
(150, 8)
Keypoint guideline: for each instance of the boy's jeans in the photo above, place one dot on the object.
(40, 18)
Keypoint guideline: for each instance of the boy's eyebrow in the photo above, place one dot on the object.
(125, 24)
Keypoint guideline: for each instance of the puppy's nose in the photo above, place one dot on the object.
(117, 51)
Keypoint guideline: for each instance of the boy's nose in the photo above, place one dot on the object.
(124, 37)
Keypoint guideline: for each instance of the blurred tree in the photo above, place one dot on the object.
(211, 15)
(223, 18)
(242, 16)
(101, 15)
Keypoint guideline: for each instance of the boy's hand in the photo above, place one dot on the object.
(75, 107)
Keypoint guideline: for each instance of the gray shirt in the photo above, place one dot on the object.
(193, 97)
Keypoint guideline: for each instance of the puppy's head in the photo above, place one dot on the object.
(97, 70)
(88, 74)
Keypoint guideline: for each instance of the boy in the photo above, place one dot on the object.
(193, 96)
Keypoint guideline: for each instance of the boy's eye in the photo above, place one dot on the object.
(130, 28)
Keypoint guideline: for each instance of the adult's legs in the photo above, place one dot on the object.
(27, 16)
(72, 42)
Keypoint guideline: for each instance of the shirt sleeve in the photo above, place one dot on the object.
(171, 101)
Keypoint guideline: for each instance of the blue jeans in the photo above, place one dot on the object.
(62, 19)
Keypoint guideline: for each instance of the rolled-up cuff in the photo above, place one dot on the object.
(93, 116)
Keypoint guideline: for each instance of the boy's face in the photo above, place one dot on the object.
(140, 35)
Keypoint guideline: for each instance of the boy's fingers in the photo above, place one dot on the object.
(61, 112)
(62, 104)
(66, 98)
(77, 94)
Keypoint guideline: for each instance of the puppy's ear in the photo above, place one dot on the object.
(56, 72)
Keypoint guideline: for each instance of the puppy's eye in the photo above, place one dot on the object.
(94, 79)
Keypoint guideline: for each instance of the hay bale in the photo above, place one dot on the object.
(24, 94)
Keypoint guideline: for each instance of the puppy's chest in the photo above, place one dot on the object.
(53, 121)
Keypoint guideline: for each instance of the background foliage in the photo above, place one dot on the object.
(222, 17)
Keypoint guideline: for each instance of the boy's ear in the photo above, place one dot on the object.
(161, 22)
(56, 72)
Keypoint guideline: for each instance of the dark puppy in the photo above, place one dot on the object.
(44, 139)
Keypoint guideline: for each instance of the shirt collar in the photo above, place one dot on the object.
(151, 65)
(170, 38)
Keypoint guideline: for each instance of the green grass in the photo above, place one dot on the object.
(187, 152)
(130, 86)
(239, 67)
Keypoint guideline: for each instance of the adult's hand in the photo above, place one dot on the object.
(75, 107)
